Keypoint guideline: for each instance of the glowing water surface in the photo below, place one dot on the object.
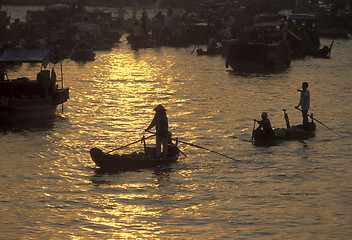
(50, 188)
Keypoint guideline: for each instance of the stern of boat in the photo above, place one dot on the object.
(61, 96)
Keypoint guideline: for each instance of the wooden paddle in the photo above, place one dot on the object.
(130, 144)
(253, 130)
(171, 142)
(320, 122)
(194, 145)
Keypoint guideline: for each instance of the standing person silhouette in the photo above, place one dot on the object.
(160, 122)
(304, 102)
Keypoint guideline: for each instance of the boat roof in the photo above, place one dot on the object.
(302, 16)
(43, 56)
(268, 24)
(269, 14)
(269, 17)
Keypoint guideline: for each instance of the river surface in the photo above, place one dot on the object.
(51, 189)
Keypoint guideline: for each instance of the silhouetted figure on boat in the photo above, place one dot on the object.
(160, 122)
(304, 102)
(264, 125)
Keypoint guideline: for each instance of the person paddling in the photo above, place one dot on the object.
(160, 122)
(304, 102)
(265, 125)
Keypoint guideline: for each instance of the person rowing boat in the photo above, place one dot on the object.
(160, 122)
(264, 125)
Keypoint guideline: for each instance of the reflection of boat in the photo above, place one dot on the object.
(298, 132)
(263, 51)
(22, 98)
(133, 161)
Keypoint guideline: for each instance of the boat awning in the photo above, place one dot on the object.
(268, 24)
(302, 16)
(43, 56)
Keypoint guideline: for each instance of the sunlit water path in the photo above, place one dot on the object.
(50, 188)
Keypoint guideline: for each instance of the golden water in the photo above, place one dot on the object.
(50, 188)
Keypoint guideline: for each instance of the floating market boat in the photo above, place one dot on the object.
(263, 50)
(298, 132)
(22, 98)
(134, 161)
(304, 37)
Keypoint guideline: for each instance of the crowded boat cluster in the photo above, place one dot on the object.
(251, 38)
(75, 30)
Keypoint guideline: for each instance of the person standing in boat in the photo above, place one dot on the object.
(160, 122)
(304, 102)
(265, 125)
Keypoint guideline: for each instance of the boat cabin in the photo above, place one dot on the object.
(303, 27)
(24, 94)
(44, 84)
(303, 22)
(269, 17)
(268, 32)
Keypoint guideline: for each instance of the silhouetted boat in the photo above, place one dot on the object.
(133, 161)
(22, 98)
(298, 132)
(264, 50)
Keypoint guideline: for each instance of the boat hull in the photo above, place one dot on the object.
(293, 133)
(258, 57)
(131, 162)
(18, 110)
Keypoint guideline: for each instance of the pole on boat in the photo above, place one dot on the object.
(171, 142)
(311, 116)
(286, 119)
(131, 143)
(331, 47)
(253, 130)
(177, 147)
(62, 84)
(197, 146)
(194, 145)
(194, 49)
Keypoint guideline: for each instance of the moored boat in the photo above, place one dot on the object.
(262, 50)
(133, 161)
(23, 98)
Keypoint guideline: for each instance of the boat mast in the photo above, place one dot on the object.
(62, 85)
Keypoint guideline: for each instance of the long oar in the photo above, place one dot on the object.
(194, 145)
(130, 144)
(171, 142)
(321, 123)
(253, 131)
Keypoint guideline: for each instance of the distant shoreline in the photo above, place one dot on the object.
(50, 2)
(103, 3)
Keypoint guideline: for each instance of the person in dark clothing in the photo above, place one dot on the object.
(304, 102)
(144, 21)
(160, 122)
(265, 125)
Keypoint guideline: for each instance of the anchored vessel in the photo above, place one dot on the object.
(22, 98)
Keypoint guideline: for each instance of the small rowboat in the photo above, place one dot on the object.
(298, 132)
(133, 161)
